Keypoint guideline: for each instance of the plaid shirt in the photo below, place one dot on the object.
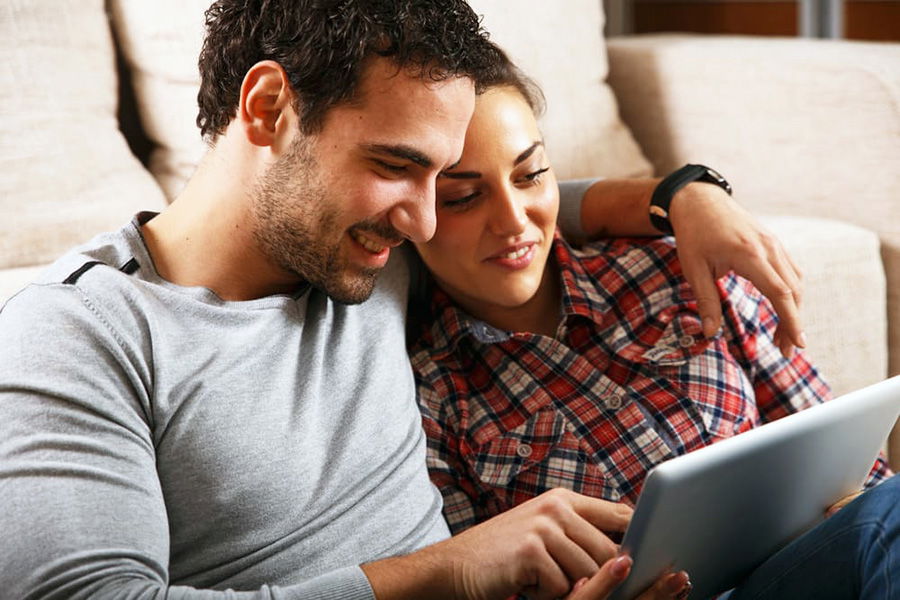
(628, 382)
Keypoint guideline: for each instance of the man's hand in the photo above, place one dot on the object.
(539, 548)
(614, 572)
(716, 235)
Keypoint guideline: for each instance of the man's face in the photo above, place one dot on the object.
(330, 208)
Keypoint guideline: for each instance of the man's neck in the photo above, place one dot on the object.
(205, 238)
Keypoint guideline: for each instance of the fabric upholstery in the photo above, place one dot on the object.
(67, 170)
(161, 42)
(800, 127)
(846, 329)
(584, 134)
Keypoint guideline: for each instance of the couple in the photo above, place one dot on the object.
(219, 398)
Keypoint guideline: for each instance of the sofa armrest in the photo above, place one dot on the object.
(799, 127)
(846, 330)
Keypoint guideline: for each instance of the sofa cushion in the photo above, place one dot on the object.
(161, 42)
(68, 173)
(560, 45)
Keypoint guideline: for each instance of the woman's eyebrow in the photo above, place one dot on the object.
(528, 152)
(475, 174)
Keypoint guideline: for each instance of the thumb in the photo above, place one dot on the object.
(600, 586)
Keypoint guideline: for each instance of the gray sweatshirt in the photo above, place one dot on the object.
(158, 442)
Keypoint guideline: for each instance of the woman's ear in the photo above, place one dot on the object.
(266, 98)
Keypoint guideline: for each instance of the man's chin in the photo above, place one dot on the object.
(354, 289)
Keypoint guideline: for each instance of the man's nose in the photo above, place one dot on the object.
(415, 217)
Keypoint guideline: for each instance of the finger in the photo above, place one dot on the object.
(608, 516)
(671, 585)
(612, 573)
(551, 580)
(773, 287)
(578, 558)
(842, 503)
(787, 270)
(703, 283)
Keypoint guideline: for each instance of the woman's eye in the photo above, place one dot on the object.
(535, 177)
(460, 203)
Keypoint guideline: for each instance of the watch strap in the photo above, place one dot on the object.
(669, 186)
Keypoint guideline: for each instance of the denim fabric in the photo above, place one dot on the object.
(853, 554)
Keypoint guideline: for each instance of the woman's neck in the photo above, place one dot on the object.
(540, 314)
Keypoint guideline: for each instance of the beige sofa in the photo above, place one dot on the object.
(806, 131)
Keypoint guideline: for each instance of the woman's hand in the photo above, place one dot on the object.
(614, 571)
(716, 235)
(842, 503)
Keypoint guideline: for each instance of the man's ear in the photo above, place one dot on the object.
(266, 99)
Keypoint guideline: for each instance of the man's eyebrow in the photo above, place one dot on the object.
(401, 151)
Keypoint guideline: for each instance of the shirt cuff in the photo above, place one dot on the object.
(349, 583)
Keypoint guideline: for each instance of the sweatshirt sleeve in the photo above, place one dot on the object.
(81, 507)
(571, 195)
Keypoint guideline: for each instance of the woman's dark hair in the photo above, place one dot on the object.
(323, 46)
(506, 74)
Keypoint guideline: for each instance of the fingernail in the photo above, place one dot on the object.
(685, 591)
(801, 340)
(620, 567)
(709, 327)
(579, 584)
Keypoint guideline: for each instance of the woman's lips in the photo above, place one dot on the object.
(514, 257)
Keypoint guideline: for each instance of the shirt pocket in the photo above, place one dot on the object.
(536, 456)
(712, 387)
(703, 372)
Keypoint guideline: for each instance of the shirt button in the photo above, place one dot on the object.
(614, 402)
(686, 341)
(570, 427)
(523, 450)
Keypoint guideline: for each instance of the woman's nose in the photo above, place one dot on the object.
(508, 216)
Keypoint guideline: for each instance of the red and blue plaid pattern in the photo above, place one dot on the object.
(628, 382)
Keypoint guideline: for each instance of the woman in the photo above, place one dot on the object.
(542, 366)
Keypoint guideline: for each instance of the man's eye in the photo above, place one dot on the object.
(390, 166)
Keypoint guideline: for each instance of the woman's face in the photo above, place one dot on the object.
(496, 210)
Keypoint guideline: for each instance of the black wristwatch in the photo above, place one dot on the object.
(662, 195)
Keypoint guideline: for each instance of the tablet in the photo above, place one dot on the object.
(720, 511)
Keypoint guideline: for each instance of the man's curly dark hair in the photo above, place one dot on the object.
(323, 46)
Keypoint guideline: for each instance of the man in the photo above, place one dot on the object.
(218, 397)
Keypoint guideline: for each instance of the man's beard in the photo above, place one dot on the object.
(296, 226)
